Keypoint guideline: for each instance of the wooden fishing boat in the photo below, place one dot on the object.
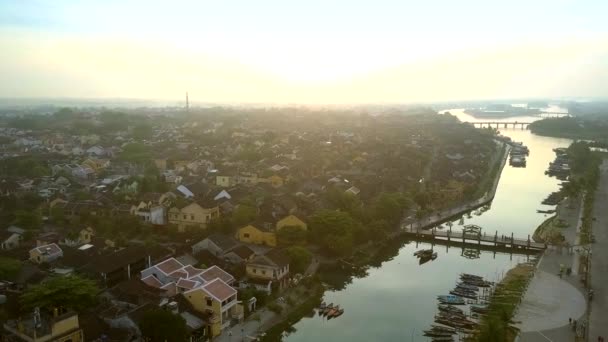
(481, 309)
(464, 294)
(435, 333)
(450, 309)
(327, 309)
(467, 286)
(442, 328)
(470, 276)
(339, 313)
(333, 311)
(423, 252)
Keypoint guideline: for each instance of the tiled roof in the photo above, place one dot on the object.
(49, 249)
(169, 266)
(219, 289)
(192, 271)
(186, 284)
(152, 281)
(222, 241)
(214, 272)
(243, 251)
(179, 274)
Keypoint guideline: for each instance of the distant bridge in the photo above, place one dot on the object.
(499, 124)
(552, 115)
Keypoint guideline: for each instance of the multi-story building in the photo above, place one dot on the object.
(207, 290)
(193, 215)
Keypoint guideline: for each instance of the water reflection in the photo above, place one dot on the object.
(395, 298)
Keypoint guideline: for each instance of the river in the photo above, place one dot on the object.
(396, 300)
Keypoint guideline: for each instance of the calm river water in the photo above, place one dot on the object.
(396, 301)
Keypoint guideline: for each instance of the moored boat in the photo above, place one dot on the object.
(333, 311)
(451, 299)
(327, 309)
(423, 252)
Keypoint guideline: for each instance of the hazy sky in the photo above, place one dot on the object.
(305, 51)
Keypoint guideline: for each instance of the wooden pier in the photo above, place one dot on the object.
(477, 240)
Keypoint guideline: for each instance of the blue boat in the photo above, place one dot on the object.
(451, 299)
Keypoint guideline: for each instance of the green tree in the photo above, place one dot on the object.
(389, 207)
(334, 230)
(243, 214)
(160, 325)
(69, 292)
(299, 259)
(28, 219)
(9, 268)
(291, 235)
(136, 153)
(142, 132)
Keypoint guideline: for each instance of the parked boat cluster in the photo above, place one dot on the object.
(330, 310)
(518, 154)
(452, 320)
(560, 167)
(425, 255)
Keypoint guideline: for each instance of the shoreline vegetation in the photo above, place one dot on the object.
(572, 128)
(496, 325)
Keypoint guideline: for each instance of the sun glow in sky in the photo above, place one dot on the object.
(314, 51)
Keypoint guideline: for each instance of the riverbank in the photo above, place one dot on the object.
(496, 325)
(450, 214)
(371, 254)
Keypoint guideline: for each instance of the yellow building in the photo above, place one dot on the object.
(161, 164)
(96, 164)
(224, 181)
(85, 235)
(59, 328)
(291, 221)
(276, 181)
(260, 236)
(193, 215)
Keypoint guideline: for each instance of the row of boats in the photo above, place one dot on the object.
(425, 255)
(518, 155)
(560, 167)
(330, 310)
(452, 320)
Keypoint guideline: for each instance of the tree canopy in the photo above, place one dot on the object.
(160, 325)
(299, 259)
(243, 214)
(9, 268)
(291, 235)
(69, 292)
(334, 230)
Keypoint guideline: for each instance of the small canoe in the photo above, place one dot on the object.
(423, 252)
(333, 311)
(339, 313)
(327, 309)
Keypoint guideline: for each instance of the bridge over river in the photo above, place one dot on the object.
(472, 236)
(500, 124)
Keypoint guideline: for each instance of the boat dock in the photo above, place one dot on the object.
(467, 238)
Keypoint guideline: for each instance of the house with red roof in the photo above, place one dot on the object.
(209, 290)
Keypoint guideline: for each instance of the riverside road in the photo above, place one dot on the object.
(599, 260)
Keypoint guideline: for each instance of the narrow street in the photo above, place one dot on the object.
(599, 260)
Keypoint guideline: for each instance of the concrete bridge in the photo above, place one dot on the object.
(500, 124)
(552, 115)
